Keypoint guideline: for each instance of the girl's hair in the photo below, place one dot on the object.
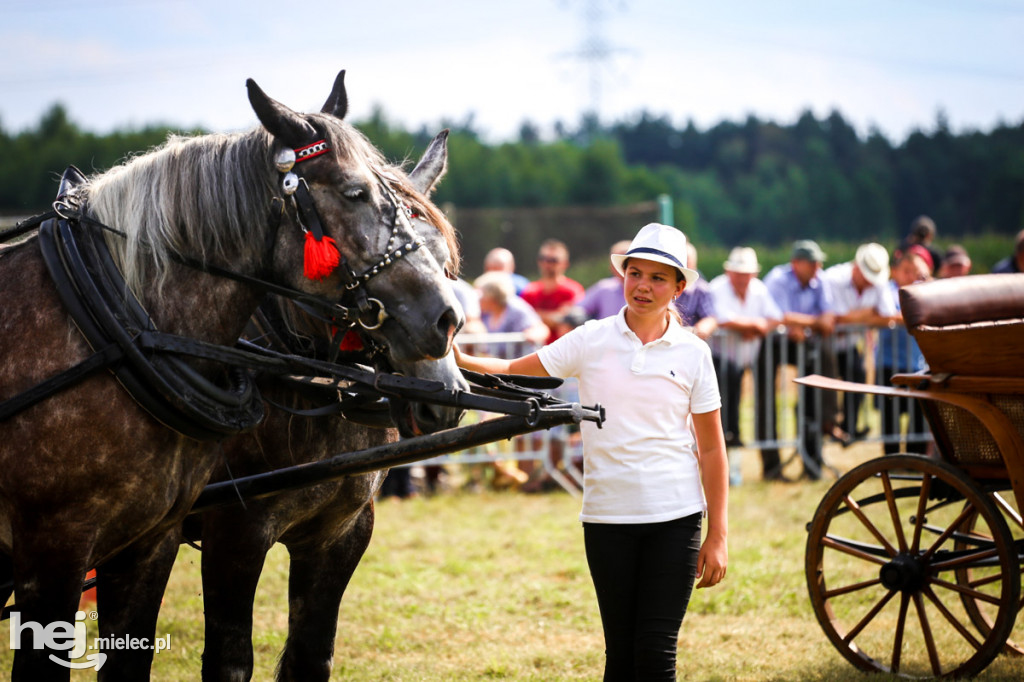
(674, 313)
(672, 309)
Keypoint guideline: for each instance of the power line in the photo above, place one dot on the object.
(595, 51)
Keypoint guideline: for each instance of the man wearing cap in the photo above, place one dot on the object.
(809, 316)
(861, 295)
(746, 310)
(955, 262)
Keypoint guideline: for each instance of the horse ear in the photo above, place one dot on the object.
(280, 121)
(433, 164)
(337, 103)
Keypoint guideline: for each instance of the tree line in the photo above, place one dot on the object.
(755, 181)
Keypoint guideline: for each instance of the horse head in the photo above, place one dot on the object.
(440, 245)
(345, 206)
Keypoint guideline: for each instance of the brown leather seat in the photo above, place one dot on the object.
(970, 325)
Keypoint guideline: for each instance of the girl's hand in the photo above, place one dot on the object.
(711, 562)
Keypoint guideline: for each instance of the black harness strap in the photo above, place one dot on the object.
(145, 361)
(92, 290)
(356, 403)
(25, 226)
(151, 366)
(66, 379)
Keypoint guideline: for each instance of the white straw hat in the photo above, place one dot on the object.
(873, 262)
(659, 243)
(743, 259)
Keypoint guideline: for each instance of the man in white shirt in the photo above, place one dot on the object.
(861, 296)
(744, 308)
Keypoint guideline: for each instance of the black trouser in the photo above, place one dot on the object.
(891, 410)
(730, 384)
(780, 350)
(643, 575)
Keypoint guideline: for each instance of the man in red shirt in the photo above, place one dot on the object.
(553, 297)
(554, 294)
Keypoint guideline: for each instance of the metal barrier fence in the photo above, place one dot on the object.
(762, 408)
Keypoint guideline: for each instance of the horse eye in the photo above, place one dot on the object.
(355, 194)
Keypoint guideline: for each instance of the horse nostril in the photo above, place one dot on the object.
(450, 323)
(433, 418)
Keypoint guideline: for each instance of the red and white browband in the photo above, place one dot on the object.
(311, 150)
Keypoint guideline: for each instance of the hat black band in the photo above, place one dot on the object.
(644, 249)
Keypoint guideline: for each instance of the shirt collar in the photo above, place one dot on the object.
(813, 284)
(673, 335)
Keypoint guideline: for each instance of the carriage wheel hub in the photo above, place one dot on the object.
(904, 573)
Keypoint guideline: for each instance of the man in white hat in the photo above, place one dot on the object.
(861, 296)
(747, 311)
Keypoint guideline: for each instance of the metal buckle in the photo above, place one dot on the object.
(381, 315)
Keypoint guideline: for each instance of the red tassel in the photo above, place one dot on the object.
(350, 342)
(321, 257)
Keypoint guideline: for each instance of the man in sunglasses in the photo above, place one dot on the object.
(554, 294)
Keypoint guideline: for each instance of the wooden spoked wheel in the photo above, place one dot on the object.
(883, 552)
(981, 613)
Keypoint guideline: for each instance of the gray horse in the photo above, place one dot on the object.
(88, 478)
(327, 527)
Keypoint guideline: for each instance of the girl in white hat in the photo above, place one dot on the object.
(658, 464)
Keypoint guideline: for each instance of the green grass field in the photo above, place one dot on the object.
(490, 586)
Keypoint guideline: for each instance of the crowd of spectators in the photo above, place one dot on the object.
(813, 305)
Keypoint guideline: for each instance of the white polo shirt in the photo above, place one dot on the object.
(641, 466)
(846, 297)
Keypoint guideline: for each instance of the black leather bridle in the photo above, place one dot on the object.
(369, 313)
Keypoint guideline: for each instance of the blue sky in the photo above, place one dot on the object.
(889, 64)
